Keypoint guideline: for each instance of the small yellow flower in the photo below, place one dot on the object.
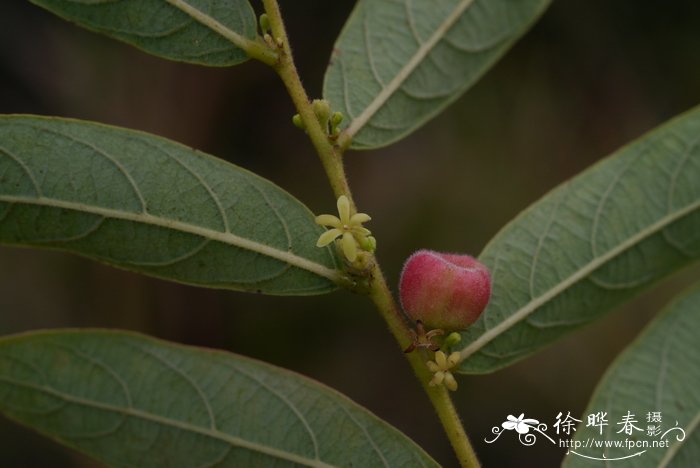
(441, 370)
(348, 228)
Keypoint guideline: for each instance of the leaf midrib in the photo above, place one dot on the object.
(206, 20)
(403, 74)
(214, 434)
(586, 270)
(223, 237)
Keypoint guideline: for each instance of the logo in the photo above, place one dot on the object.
(624, 436)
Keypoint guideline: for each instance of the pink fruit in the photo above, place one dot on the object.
(444, 290)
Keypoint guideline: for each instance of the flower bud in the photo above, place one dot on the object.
(336, 118)
(296, 120)
(264, 23)
(452, 339)
(323, 112)
(368, 243)
(444, 290)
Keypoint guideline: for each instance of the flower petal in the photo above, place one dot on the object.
(508, 425)
(453, 359)
(437, 378)
(450, 381)
(359, 218)
(359, 230)
(328, 237)
(441, 359)
(344, 209)
(328, 220)
(432, 366)
(349, 247)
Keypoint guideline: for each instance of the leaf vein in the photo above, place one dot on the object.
(364, 431)
(206, 20)
(542, 237)
(279, 217)
(669, 204)
(346, 93)
(412, 22)
(368, 50)
(408, 68)
(186, 378)
(584, 271)
(173, 423)
(24, 167)
(100, 152)
(88, 232)
(225, 238)
(173, 261)
(218, 460)
(601, 203)
(287, 402)
(100, 364)
(673, 449)
(215, 198)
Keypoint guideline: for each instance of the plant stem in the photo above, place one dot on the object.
(331, 158)
(439, 395)
(255, 49)
(330, 154)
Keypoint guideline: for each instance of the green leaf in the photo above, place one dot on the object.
(397, 64)
(209, 32)
(590, 244)
(659, 372)
(130, 400)
(150, 205)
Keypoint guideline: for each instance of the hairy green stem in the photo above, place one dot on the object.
(439, 395)
(330, 154)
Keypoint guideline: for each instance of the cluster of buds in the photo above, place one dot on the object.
(329, 122)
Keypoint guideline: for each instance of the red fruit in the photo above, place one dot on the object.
(444, 290)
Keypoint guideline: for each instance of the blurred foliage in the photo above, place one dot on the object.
(588, 78)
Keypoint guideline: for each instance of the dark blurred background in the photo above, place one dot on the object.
(589, 77)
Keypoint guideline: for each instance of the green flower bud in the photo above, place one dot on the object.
(264, 23)
(336, 119)
(369, 244)
(323, 112)
(296, 120)
(452, 339)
